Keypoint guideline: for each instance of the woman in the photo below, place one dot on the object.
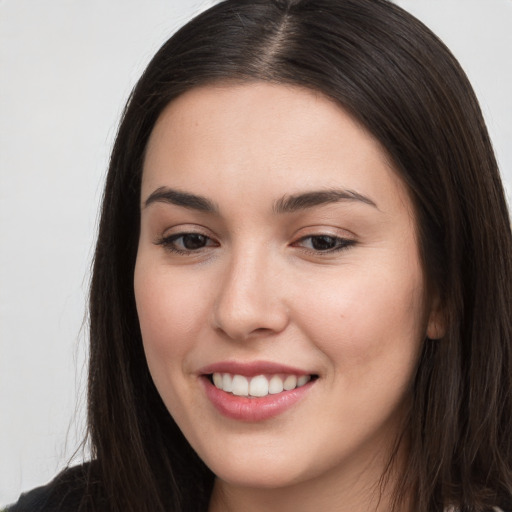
(302, 283)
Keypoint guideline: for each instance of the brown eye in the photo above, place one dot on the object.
(184, 243)
(192, 241)
(324, 243)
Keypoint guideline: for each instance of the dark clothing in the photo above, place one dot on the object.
(65, 493)
(68, 492)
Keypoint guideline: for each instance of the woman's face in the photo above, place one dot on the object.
(278, 258)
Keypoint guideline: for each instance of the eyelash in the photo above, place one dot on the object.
(169, 243)
(340, 244)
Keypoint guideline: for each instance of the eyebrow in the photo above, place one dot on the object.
(184, 199)
(293, 203)
(287, 204)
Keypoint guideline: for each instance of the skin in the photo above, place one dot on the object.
(257, 287)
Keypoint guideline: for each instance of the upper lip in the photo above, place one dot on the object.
(251, 369)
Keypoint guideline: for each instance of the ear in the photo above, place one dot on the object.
(436, 324)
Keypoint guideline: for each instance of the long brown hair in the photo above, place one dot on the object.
(393, 75)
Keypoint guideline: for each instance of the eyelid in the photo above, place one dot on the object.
(341, 243)
(170, 235)
(343, 237)
(185, 229)
(338, 237)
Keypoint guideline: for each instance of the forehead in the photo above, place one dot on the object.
(286, 138)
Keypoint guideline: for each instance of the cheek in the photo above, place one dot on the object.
(173, 310)
(169, 312)
(367, 321)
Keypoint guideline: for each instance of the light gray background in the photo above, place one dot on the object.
(66, 68)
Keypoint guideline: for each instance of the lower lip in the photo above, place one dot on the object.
(242, 408)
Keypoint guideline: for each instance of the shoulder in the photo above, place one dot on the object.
(70, 491)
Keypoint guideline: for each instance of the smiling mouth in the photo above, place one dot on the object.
(258, 386)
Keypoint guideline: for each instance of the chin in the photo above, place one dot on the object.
(265, 469)
(275, 477)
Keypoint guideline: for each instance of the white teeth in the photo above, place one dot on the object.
(217, 380)
(303, 379)
(227, 382)
(290, 382)
(240, 385)
(275, 385)
(258, 386)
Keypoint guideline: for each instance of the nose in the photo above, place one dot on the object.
(249, 301)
